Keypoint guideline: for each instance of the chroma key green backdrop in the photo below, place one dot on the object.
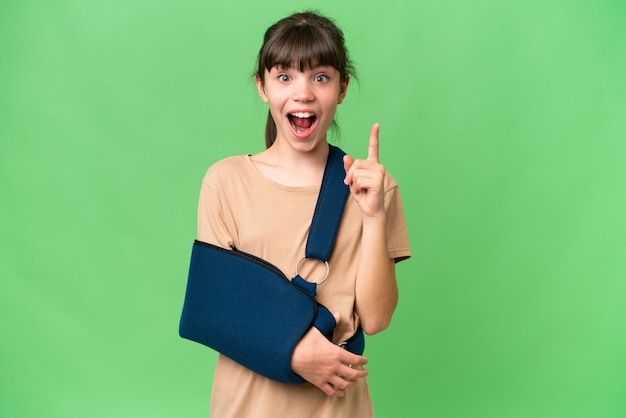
(503, 121)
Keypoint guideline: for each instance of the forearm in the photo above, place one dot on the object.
(376, 287)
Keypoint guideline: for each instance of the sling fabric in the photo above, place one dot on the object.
(245, 317)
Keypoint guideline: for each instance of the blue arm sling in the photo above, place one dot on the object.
(245, 308)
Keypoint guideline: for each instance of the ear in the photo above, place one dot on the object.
(260, 87)
(343, 89)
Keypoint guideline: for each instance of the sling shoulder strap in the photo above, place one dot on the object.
(322, 234)
(329, 208)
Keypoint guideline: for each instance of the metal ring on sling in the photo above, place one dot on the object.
(325, 276)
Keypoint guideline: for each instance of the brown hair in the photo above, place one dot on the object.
(302, 40)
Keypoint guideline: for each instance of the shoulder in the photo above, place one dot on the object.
(228, 164)
(228, 168)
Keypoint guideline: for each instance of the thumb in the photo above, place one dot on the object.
(347, 163)
(337, 317)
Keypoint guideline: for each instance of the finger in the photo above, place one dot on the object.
(347, 163)
(352, 359)
(372, 151)
(337, 317)
(340, 383)
(330, 390)
(353, 373)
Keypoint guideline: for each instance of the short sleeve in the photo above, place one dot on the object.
(212, 222)
(397, 234)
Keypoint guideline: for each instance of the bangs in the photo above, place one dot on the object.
(302, 47)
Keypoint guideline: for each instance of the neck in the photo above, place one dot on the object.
(300, 153)
(288, 166)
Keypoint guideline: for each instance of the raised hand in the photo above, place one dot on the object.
(326, 365)
(365, 178)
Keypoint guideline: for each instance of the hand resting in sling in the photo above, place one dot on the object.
(326, 365)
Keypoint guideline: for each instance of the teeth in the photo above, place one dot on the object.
(302, 114)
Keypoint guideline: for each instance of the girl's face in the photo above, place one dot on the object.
(302, 103)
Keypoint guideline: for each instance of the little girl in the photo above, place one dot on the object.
(263, 204)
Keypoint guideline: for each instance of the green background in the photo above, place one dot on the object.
(503, 121)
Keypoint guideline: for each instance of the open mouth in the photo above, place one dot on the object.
(301, 122)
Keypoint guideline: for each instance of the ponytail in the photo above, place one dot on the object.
(270, 131)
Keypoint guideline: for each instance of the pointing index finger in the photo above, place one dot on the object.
(372, 151)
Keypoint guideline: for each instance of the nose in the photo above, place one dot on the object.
(303, 91)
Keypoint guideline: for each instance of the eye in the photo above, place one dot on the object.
(283, 78)
(321, 78)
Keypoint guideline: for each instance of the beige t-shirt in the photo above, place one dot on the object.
(241, 207)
